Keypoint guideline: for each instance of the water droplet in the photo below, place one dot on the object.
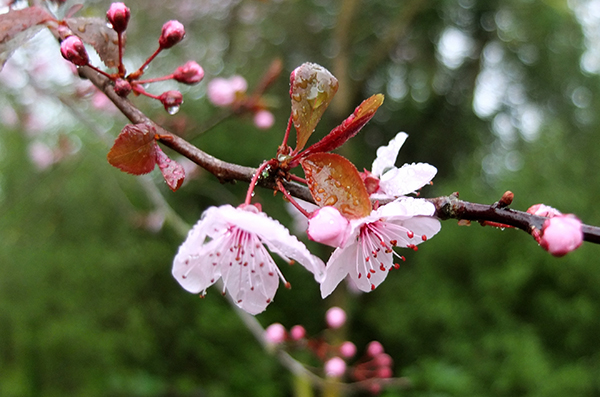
(172, 110)
(331, 200)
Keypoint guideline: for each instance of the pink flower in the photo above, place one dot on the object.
(297, 332)
(327, 226)
(171, 34)
(229, 243)
(368, 253)
(73, 50)
(223, 92)
(561, 234)
(275, 334)
(335, 317)
(189, 73)
(335, 367)
(394, 182)
(118, 15)
(348, 349)
(543, 210)
(264, 119)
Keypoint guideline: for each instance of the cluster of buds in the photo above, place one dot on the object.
(232, 93)
(73, 49)
(369, 369)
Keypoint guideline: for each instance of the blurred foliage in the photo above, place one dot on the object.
(499, 95)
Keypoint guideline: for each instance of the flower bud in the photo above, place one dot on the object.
(561, 234)
(374, 348)
(328, 226)
(172, 33)
(335, 367)
(335, 317)
(275, 333)
(297, 332)
(171, 100)
(189, 73)
(73, 50)
(264, 119)
(122, 87)
(118, 16)
(348, 349)
(223, 92)
(543, 210)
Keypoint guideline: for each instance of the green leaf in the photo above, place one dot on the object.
(333, 180)
(134, 150)
(312, 88)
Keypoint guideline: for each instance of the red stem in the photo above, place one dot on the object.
(291, 199)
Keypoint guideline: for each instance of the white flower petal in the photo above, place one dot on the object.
(405, 208)
(337, 268)
(386, 155)
(407, 179)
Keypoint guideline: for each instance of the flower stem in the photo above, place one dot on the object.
(256, 177)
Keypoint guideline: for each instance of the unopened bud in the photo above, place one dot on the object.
(328, 226)
(172, 33)
(122, 87)
(335, 367)
(561, 234)
(275, 333)
(118, 16)
(335, 317)
(171, 100)
(264, 119)
(543, 210)
(73, 50)
(348, 349)
(189, 73)
(374, 348)
(297, 332)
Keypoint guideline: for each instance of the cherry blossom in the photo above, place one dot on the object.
(393, 181)
(229, 243)
(561, 234)
(368, 253)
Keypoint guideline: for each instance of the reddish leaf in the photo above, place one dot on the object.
(134, 150)
(17, 27)
(333, 180)
(349, 127)
(311, 88)
(172, 171)
(95, 32)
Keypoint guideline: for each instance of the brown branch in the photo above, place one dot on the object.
(447, 207)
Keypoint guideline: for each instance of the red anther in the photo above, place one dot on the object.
(403, 259)
(372, 270)
(368, 275)
(412, 247)
(397, 265)
(410, 234)
(424, 237)
(118, 16)
(288, 285)
(382, 268)
(189, 73)
(122, 87)
(172, 33)
(372, 287)
(394, 242)
(73, 50)
(359, 275)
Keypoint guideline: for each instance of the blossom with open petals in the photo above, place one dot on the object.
(393, 181)
(368, 254)
(229, 243)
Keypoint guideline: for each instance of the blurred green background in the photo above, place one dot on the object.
(498, 95)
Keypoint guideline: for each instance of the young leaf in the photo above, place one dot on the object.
(349, 127)
(172, 171)
(333, 180)
(311, 89)
(134, 150)
(17, 27)
(95, 32)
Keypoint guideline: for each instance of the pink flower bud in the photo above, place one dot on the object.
(222, 92)
(118, 16)
(171, 100)
(383, 360)
(73, 50)
(122, 87)
(335, 367)
(297, 332)
(374, 348)
(264, 119)
(172, 33)
(328, 226)
(543, 210)
(189, 73)
(561, 234)
(275, 333)
(335, 317)
(348, 349)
